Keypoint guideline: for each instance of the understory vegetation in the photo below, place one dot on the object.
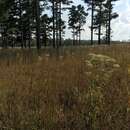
(66, 89)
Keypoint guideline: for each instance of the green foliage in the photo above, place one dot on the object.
(77, 19)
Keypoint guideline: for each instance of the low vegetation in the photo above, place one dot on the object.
(73, 89)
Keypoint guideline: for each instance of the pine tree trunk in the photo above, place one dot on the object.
(79, 35)
(29, 35)
(21, 24)
(99, 28)
(57, 26)
(60, 30)
(45, 39)
(109, 24)
(92, 16)
(29, 28)
(53, 9)
(106, 32)
(73, 37)
(2, 37)
(99, 34)
(38, 24)
(29, 39)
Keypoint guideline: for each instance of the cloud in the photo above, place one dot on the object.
(120, 26)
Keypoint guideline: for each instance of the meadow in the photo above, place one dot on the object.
(73, 88)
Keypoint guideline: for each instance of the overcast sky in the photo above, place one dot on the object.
(120, 26)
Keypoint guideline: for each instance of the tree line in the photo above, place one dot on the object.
(28, 22)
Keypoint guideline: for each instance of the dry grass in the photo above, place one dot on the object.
(55, 91)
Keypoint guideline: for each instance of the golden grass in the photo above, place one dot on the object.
(58, 91)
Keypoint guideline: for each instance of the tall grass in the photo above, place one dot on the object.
(54, 91)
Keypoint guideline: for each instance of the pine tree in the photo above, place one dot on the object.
(46, 28)
(38, 9)
(77, 19)
(57, 21)
(4, 20)
(99, 18)
(109, 5)
(37, 18)
(91, 4)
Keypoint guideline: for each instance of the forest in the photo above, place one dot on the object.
(27, 23)
(51, 82)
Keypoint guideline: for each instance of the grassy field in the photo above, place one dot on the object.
(78, 88)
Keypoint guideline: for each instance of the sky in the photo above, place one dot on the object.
(120, 26)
